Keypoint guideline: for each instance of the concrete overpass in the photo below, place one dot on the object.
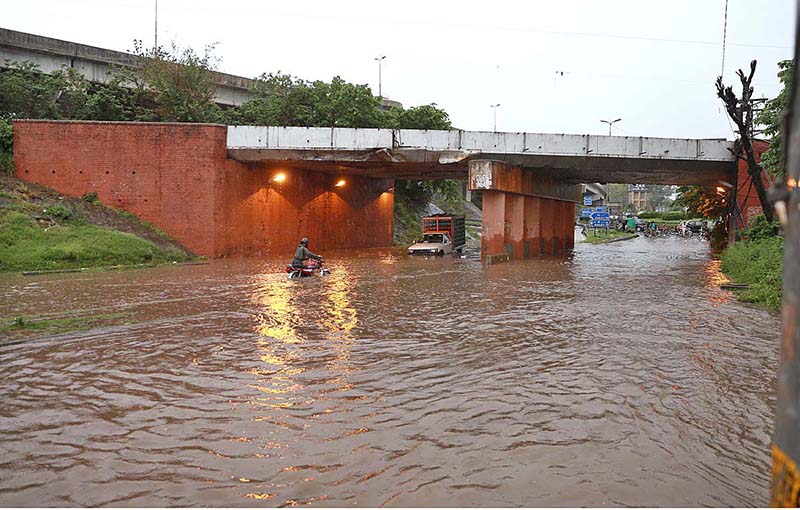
(529, 181)
(426, 154)
(97, 64)
(257, 189)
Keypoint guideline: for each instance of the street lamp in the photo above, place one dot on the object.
(494, 107)
(609, 124)
(380, 60)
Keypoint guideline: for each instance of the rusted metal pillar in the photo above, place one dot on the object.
(785, 489)
(515, 225)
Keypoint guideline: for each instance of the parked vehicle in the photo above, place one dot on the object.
(695, 226)
(440, 235)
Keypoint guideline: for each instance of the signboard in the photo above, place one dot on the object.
(587, 199)
(586, 213)
(601, 209)
(600, 216)
(601, 223)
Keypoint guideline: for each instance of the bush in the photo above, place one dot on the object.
(90, 197)
(59, 211)
(760, 228)
(6, 152)
(673, 216)
(650, 214)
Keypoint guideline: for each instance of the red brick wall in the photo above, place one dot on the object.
(177, 177)
(746, 194)
(261, 216)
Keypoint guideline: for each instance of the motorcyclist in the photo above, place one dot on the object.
(302, 253)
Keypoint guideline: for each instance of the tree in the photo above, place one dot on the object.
(741, 112)
(772, 118)
(702, 201)
(179, 81)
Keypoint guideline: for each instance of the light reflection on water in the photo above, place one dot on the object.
(621, 375)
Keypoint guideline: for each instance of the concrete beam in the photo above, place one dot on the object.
(496, 175)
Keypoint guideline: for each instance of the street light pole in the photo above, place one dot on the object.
(494, 107)
(609, 124)
(155, 30)
(380, 61)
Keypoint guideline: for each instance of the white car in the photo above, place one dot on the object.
(431, 244)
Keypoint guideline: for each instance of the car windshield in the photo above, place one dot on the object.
(431, 238)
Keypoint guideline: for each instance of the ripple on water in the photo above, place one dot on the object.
(623, 371)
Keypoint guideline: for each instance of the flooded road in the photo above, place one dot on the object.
(620, 376)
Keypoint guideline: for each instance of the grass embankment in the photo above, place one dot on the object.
(40, 230)
(759, 264)
(602, 236)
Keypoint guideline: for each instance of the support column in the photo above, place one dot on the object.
(514, 225)
(569, 226)
(494, 220)
(558, 227)
(546, 225)
(532, 216)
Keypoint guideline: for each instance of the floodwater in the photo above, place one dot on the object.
(620, 376)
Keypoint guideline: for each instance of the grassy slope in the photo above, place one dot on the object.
(760, 265)
(37, 234)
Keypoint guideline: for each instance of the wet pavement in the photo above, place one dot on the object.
(620, 376)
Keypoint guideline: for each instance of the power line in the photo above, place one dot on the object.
(724, 37)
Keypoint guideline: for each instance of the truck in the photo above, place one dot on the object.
(440, 234)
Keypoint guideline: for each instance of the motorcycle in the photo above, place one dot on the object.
(308, 270)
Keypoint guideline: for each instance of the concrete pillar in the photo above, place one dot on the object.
(546, 226)
(558, 227)
(514, 225)
(494, 220)
(530, 235)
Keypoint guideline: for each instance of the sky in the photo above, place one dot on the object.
(557, 66)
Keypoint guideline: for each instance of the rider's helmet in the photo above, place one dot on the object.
(304, 241)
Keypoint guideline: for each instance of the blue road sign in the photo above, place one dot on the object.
(586, 213)
(600, 216)
(601, 223)
(601, 208)
(587, 200)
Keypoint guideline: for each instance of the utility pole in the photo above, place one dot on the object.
(155, 31)
(609, 124)
(494, 107)
(785, 487)
(380, 61)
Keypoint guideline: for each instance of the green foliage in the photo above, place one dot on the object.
(772, 118)
(6, 141)
(702, 201)
(674, 216)
(758, 263)
(27, 93)
(418, 117)
(650, 214)
(59, 211)
(91, 197)
(179, 81)
(760, 228)
(26, 246)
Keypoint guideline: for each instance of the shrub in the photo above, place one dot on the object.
(672, 216)
(60, 212)
(90, 197)
(650, 214)
(760, 228)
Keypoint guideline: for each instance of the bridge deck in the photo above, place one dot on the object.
(424, 154)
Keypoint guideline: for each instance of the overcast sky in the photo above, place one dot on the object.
(554, 66)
